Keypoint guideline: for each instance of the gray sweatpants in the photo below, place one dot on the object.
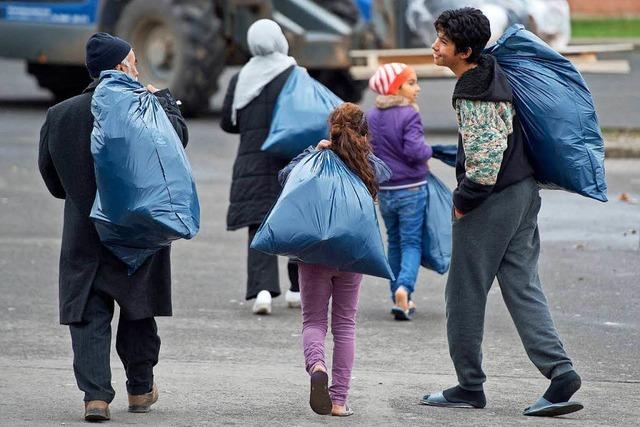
(500, 238)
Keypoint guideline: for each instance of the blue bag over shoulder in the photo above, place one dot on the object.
(325, 215)
(300, 115)
(555, 107)
(146, 193)
(446, 153)
(436, 232)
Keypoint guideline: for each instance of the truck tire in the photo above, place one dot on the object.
(341, 83)
(64, 81)
(178, 45)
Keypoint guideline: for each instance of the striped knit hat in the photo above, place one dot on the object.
(389, 77)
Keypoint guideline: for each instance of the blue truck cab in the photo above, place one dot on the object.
(47, 31)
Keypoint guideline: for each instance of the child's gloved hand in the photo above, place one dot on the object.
(324, 144)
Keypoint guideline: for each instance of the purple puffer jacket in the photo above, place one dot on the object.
(397, 138)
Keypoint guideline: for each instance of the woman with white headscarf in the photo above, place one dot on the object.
(247, 110)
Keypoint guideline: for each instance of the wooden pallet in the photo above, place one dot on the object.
(584, 57)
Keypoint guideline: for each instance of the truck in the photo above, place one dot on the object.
(186, 44)
(181, 44)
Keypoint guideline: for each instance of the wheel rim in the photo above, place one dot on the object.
(156, 49)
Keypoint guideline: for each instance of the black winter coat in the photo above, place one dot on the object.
(67, 167)
(254, 185)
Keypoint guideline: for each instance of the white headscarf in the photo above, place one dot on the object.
(269, 48)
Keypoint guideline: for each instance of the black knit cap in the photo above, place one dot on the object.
(104, 52)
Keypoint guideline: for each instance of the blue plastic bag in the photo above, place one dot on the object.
(445, 153)
(300, 115)
(556, 110)
(146, 193)
(325, 215)
(436, 233)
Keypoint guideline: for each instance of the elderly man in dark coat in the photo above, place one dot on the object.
(91, 277)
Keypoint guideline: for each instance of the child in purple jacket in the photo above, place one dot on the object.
(397, 138)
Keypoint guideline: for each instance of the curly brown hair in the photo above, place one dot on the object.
(348, 130)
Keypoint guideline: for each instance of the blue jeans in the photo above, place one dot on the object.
(403, 213)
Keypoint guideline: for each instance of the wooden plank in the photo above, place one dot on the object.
(596, 48)
(391, 52)
(569, 50)
(433, 71)
(603, 67)
(362, 72)
(430, 71)
(584, 57)
(410, 60)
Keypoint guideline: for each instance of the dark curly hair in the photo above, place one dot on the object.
(466, 28)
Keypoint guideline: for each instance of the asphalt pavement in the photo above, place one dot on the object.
(222, 365)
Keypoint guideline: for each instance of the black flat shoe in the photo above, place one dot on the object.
(319, 399)
(438, 399)
(400, 314)
(544, 408)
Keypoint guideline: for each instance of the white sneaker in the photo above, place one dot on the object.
(263, 303)
(293, 299)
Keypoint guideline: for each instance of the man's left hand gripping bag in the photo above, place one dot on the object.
(146, 196)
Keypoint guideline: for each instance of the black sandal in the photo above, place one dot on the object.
(319, 399)
(544, 408)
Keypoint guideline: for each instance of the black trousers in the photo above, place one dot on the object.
(137, 344)
(262, 271)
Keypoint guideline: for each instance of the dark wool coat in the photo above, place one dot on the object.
(254, 185)
(66, 165)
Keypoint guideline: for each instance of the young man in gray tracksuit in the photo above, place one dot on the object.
(495, 229)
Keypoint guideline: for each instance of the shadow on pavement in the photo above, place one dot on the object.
(26, 104)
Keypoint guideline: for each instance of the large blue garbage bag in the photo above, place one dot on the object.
(557, 114)
(325, 215)
(436, 233)
(146, 193)
(300, 115)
